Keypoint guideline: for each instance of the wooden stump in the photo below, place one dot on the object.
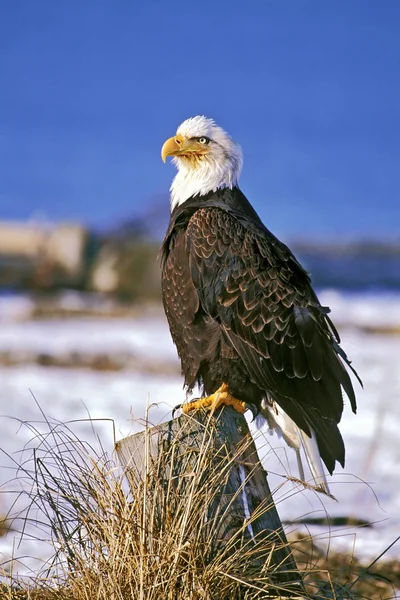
(213, 460)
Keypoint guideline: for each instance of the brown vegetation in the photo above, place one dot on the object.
(4, 526)
(155, 541)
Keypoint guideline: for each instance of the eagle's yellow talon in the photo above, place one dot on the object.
(219, 398)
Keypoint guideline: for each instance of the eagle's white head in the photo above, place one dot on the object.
(206, 157)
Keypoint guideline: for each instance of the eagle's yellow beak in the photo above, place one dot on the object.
(172, 147)
(181, 146)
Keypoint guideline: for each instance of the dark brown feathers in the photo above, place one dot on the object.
(230, 288)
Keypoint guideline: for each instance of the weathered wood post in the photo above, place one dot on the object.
(218, 452)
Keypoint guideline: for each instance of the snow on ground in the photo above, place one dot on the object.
(15, 308)
(363, 310)
(369, 487)
(147, 338)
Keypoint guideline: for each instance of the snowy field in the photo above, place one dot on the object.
(368, 488)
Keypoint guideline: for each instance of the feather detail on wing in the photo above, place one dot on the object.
(252, 286)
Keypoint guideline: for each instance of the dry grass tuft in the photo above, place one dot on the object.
(344, 572)
(158, 540)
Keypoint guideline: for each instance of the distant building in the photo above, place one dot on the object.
(105, 276)
(39, 256)
(42, 255)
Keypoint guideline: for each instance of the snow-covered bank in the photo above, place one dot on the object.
(145, 337)
(363, 309)
(132, 343)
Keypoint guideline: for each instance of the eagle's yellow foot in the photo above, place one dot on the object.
(217, 399)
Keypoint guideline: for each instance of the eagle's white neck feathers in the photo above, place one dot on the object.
(219, 168)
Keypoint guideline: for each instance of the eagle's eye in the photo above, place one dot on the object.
(203, 140)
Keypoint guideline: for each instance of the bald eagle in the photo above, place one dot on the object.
(247, 324)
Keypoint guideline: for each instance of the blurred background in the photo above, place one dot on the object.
(89, 92)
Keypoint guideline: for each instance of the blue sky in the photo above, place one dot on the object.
(311, 89)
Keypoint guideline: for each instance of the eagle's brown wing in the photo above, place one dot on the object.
(252, 286)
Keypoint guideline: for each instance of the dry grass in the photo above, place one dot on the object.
(346, 572)
(4, 526)
(155, 541)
